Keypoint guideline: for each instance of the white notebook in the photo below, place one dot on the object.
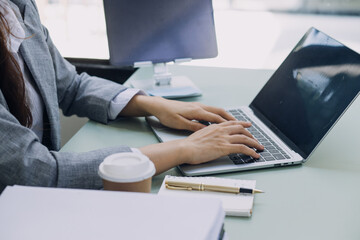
(36, 213)
(233, 204)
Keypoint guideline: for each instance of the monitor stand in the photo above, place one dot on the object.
(165, 85)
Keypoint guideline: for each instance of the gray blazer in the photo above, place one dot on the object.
(24, 160)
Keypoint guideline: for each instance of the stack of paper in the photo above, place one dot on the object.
(50, 213)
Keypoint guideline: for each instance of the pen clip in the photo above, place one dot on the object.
(177, 188)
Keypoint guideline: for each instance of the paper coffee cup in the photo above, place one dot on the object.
(127, 171)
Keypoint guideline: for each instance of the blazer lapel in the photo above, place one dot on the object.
(38, 60)
(3, 101)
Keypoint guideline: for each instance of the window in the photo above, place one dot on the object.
(337, 7)
(77, 27)
(250, 33)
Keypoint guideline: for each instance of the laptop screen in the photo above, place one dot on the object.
(309, 91)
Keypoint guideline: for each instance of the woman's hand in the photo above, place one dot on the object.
(207, 144)
(219, 140)
(176, 114)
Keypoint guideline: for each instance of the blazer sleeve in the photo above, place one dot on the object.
(81, 94)
(25, 161)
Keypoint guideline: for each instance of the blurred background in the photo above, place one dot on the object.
(250, 33)
(255, 34)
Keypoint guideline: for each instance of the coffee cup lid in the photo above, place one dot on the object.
(126, 167)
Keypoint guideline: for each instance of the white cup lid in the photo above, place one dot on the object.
(126, 167)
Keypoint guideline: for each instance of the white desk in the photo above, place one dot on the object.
(318, 200)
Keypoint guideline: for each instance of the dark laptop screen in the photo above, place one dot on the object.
(309, 91)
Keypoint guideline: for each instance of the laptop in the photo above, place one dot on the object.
(295, 109)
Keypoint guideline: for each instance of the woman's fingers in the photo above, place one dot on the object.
(219, 111)
(208, 113)
(186, 124)
(243, 139)
(233, 127)
(208, 116)
(244, 149)
(236, 123)
(181, 115)
(239, 128)
(240, 139)
(218, 140)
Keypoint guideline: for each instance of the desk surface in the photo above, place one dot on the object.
(301, 202)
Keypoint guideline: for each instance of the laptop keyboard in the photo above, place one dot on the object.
(271, 150)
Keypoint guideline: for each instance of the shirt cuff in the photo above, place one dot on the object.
(121, 100)
(136, 150)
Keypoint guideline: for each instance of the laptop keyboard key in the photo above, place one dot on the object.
(249, 160)
(286, 156)
(278, 156)
(269, 158)
(277, 147)
(240, 118)
(257, 150)
(265, 154)
(261, 159)
(237, 162)
(234, 157)
(267, 144)
(244, 157)
(273, 151)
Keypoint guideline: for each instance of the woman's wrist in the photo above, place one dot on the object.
(141, 105)
(184, 152)
(151, 105)
(167, 155)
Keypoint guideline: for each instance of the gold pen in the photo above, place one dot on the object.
(174, 185)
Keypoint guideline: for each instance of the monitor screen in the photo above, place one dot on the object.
(309, 91)
(159, 30)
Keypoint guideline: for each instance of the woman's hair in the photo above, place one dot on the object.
(12, 82)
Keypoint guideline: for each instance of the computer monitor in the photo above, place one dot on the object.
(155, 32)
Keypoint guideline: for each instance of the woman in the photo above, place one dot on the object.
(35, 81)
